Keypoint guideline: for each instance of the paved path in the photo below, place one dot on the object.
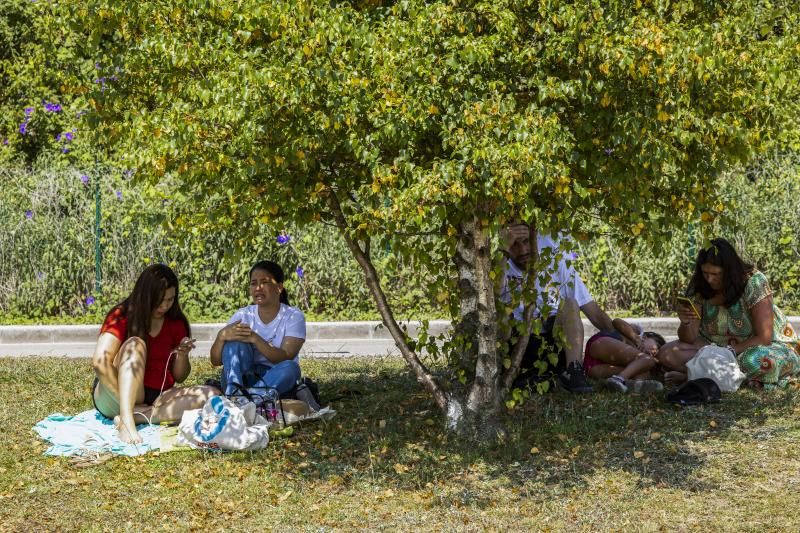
(324, 339)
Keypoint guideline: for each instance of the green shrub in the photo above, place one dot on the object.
(47, 262)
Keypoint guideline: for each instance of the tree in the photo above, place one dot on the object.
(427, 126)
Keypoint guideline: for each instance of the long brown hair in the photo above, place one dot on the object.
(147, 294)
(735, 272)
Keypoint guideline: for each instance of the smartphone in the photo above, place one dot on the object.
(686, 302)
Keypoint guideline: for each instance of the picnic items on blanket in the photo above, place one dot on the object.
(695, 392)
(89, 433)
(222, 425)
(719, 364)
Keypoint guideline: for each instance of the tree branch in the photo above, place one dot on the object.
(373, 283)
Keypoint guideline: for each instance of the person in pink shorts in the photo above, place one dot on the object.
(623, 358)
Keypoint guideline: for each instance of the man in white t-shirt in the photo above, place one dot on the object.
(566, 296)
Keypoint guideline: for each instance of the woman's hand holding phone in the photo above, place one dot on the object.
(687, 312)
(186, 346)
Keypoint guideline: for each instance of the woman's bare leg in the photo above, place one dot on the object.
(674, 355)
(639, 366)
(169, 407)
(130, 361)
(604, 371)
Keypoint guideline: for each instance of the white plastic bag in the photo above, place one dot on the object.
(719, 364)
(221, 425)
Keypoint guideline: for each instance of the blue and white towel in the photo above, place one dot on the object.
(90, 431)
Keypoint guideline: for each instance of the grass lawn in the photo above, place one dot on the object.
(594, 462)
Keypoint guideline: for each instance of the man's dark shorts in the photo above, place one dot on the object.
(539, 349)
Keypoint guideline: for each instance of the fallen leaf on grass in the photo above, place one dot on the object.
(655, 435)
(285, 496)
(400, 468)
(534, 450)
(638, 454)
(712, 424)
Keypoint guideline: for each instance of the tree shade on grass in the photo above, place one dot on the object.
(422, 128)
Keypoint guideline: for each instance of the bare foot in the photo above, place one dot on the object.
(674, 378)
(125, 434)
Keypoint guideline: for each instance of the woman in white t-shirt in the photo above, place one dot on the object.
(259, 346)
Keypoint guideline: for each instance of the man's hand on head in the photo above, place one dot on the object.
(512, 234)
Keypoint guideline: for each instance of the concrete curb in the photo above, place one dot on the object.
(324, 339)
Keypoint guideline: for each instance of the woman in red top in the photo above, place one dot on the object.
(142, 351)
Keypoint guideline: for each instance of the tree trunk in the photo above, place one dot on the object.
(478, 416)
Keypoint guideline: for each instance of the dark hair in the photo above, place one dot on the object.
(655, 336)
(147, 294)
(277, 274)
(735, 272)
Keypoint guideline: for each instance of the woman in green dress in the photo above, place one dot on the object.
(735, 308)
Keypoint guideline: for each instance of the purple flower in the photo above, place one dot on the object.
(23, 128)
(58, 137)
(40, 275)
(5, 142)
(119, 195)
(68, 136)
(65, 150)
(128, 173)
(90, 300)
(300, 272)
(84, 179)
(81, 113)
(28, 111)
(29, 214)
(52, 108)
(608, 151)
(283, 238)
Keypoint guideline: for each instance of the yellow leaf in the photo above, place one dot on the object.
(662, 116)
(400, 468)
(285, 496)
(307, 50)
(712, 424)
(534, 450)
(433, 110)
(638, 454)
(605, 101)
(655, 435)
(706, 216)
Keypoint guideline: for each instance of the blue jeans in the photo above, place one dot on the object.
(239, 366)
